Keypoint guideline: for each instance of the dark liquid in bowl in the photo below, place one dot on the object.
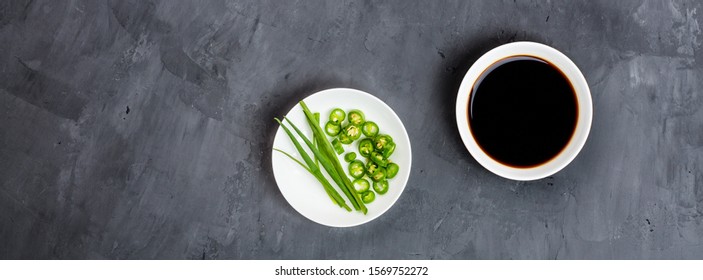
(523, 111)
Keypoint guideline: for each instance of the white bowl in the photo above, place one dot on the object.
(583, 96)
(304, 193)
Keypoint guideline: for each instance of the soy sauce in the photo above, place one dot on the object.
(523, 111)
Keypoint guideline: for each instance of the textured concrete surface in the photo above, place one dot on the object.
(142, 129)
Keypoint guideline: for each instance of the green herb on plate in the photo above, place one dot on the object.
(313, 169)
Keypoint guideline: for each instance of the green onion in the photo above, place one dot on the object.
(327, 148)
(337, 177)
(317, 162)
(313, 169)
(308, 169)
(361, 185)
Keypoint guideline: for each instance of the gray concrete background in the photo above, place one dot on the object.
(142, 129)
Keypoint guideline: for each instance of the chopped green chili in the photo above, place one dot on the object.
(380, 187)
(352, 131)
(389, 149)
(350, 156)
(361, 185)
(365, 147)
(368, 197)
(370, 129)
(327, 148)
(337, 116)
(391, 170)
(379, 174)
(332, 129)
(356, 117)
(356, 169)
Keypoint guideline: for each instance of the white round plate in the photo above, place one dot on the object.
(304, 193)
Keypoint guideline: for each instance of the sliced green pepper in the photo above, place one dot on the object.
(391, 170)
(368, 197)
(370, 129)
(371, 167)
(378, 159)
(381, 141)
(365, 147)
(356, 169)
(379, 174)
(337, 146)
(352, 131)
(332, 129)
(381, 187)
(389, 149)
(361, 185)
(345, 139)
(350, 156)
(356, 117)
(337, 116)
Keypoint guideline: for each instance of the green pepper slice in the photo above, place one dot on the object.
(381, 187)
(332, 129)
(356, 169)
(391, 170)
(365, 147)
(350, 156)
(337, 146)
(368, 197)
(371, 167)
(381, 141)
(337, 116)
(352, 131)
(379, 174)
(361, 185)
(378, 159)
(389, 149)
(356, 117)
(370, 129)
(346, 140)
